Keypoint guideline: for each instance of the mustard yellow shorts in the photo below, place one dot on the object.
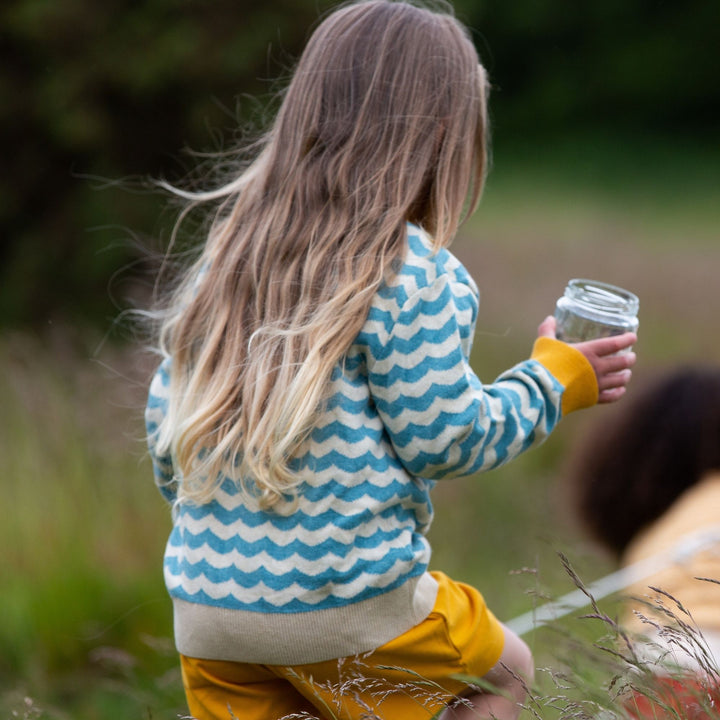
(412, 676)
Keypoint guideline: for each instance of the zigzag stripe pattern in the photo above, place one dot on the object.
(264, 600)
(405, 410)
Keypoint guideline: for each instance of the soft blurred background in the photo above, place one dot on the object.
(606, 151)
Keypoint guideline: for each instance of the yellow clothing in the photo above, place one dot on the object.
(412, 676)
(695, 512)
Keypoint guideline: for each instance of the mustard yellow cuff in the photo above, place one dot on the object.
(571, 369)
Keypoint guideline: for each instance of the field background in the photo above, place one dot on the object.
(86, 627)
(606, 165)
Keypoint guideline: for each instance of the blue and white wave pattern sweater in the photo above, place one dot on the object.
(349, 562)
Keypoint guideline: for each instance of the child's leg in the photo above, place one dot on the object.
(512, 676)
(217, 690)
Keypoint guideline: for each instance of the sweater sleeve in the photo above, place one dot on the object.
(572, 369)
(155, 411)
(441, 420)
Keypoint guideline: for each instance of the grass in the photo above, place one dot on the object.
(86, 618)
(87, 626)
(593, 672)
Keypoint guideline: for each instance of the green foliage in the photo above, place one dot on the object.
(620, 64)
(116, 90)
(86, 618)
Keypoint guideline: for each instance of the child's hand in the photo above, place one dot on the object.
(611, 365)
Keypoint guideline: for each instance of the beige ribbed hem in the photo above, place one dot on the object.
(213, 633)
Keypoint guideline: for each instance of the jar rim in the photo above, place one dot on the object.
(602, 296)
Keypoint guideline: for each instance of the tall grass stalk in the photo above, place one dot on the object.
(82, 534)
(594, 670)
(668, 670)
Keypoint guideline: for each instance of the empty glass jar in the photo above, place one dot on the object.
(591, 309)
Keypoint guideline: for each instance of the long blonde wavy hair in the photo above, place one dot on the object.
(383, 122)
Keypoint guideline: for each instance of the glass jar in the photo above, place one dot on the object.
(591, 309)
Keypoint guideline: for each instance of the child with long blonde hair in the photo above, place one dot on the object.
(316, 382)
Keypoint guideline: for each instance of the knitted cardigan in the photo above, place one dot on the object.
(345, 569)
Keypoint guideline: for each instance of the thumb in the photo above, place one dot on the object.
(547, 327)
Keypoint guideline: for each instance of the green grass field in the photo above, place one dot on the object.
(86, 628)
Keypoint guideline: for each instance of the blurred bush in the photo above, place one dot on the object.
(97, 95)
(642, 65)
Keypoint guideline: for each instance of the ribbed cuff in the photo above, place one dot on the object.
(571, 369)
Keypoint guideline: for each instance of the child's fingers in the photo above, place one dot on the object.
(609, 345)
(611, 395)
(611, 359)
(614, 380)
(547, 327)
(616, 363)
(612, 386)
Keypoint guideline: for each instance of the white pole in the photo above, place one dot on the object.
(680, 553)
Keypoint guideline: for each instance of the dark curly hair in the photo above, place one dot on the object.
(630, 468)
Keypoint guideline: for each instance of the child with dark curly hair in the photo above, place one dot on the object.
(648, 486)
